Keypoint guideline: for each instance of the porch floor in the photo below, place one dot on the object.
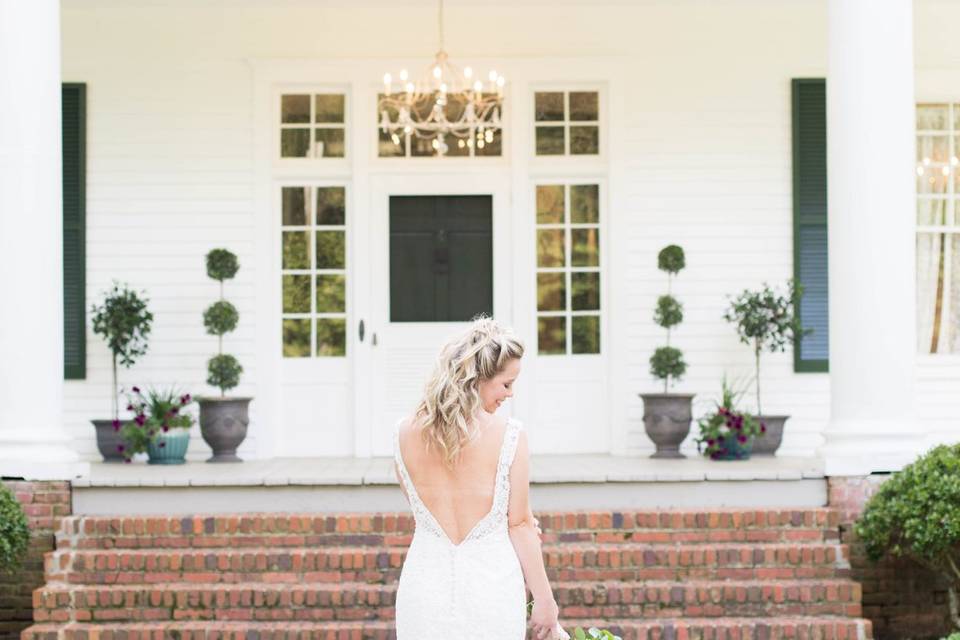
(368, 484)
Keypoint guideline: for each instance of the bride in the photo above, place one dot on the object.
(465, 472)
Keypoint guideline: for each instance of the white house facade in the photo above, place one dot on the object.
(625, 127)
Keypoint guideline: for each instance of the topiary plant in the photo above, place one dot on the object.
(667, 362)
(122, 319)
(916, 513)
(223, 370)
(765, 320)
(14, 532)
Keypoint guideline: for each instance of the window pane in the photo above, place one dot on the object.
(586, 247)
(584, 140)
(296, 250)
(329, 107)
(296, 338)
(331, 337)
(294, 143)
(295, 109)
(932, 116)
(331, 294)
(329, 143)
(455, 107)
(551, 335)
(932, 149)
(294, 206)
(551, 292)
(421, 148)
(550, 141)
(584, 203)
(387, 148)
(586, 334)
(330, 250)
(550, 248)
(548, 106)
(331, 207)
(296, 294)
(492, 144)
(932, 181)
(550, 204)
(584, 105)
(931, 211)
(585, 291)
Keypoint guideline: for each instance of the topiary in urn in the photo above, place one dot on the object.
(667, 416)
(223, 420)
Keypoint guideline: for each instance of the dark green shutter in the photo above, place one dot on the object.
(74, 98)
(810, 220)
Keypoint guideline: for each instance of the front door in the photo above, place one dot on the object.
(435, 271)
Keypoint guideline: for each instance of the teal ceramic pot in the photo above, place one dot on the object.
(733, 449)
(174, 449)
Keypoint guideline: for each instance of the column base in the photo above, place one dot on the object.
(41, 455)
(862, 447)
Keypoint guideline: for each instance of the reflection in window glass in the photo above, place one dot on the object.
(548, 106)
(329, 107)
(568, 268)
(566, 123)
(584, 141)
(295, 143)
(313, 125)
(313, 271)
(584, 106)
(328, 143)
(550, 141)
(295, 109)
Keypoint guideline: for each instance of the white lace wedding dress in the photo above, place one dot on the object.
(469, 591)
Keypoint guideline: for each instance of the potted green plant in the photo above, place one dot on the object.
(223, 420)
(124, 322)
(727, 433)
(14, 532)
(667, 416)
(765, 320)
(916, 513)
(160, 426)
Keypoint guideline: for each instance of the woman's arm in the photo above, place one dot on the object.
(526, 542)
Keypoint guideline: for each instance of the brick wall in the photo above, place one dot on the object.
(901, 598)
(45, 503)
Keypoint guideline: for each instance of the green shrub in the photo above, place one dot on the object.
(223, 370)
(916, 514)
(667, 362)
(222, 264)
(221, 317)
(14, 532)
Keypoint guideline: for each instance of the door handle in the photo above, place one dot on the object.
(360, 330)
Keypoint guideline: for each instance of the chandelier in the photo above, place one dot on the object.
(445, 105)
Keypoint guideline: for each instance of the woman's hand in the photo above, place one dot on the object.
(544, 619)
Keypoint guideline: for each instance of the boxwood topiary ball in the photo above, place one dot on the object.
(670, 259)
(222, 264)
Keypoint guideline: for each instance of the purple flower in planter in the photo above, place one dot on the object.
(763, 427)
(116, 425)
(174, 411)
(710, 442)
(140, 419)
(185, 398)
(136, 389)
(166, 428)
(742, 439)
(163, 444)
(129, 407)
(120, 448)
(127, 460)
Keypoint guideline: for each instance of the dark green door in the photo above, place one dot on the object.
(441, 258)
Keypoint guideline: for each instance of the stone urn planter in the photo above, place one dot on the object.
(766, 444)
(108, 440)
(169, 447)
(223, 425)
(666, 418)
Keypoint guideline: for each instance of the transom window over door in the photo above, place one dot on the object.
(483, 140)
(568, 268)
(314, 271)
(566, 123)
(938, 228)
(312, 125)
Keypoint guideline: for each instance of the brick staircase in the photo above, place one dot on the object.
(675, 575)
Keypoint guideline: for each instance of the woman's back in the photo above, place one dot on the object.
(458, 498)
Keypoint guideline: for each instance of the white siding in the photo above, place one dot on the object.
(703, 160)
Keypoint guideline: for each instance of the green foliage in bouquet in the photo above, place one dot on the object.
(579, 633)
(156, 411)
(667, 362)
(724, 428)
(14, 531)
(223, 370)
(916, 513)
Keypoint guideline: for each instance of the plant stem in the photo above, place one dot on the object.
(116, 408)
(954, 606)
(756, 354)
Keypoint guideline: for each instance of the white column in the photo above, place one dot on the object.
(33, 443)
(871, 212)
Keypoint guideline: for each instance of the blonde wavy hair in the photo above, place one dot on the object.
(451, 397)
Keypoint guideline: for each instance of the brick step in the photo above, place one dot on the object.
(564, 561)
(395, 529)
(824, 628)
(353, 601)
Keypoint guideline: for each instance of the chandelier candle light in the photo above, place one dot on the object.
(444, 104)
